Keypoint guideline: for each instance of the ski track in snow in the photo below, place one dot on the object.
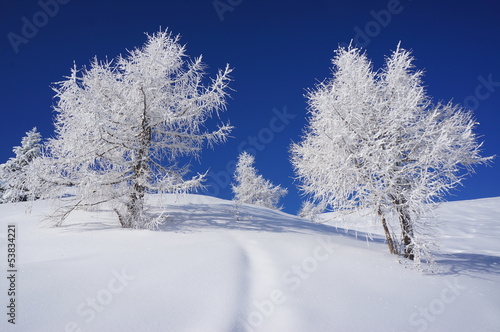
(266, 280)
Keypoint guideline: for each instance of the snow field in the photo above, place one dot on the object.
(268, 271)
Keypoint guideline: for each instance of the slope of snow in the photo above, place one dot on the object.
(212, 267)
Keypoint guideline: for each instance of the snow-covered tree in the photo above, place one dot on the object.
(13, 172)
(375, 139)
(252, 188)
(310, 210)
(122, 126)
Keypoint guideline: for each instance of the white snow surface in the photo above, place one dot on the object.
(211, 269)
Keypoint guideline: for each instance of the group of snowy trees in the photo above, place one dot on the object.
(122, 125)
(374, 140)
(13, 173)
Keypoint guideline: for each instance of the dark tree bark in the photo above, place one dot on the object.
(406, 228)
(388, 236)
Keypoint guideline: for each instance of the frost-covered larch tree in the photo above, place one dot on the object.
(252, 188)
(122, 125)
(311, 210)
(375, 140)
(13, 186)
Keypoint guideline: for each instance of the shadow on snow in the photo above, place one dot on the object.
(468, 264)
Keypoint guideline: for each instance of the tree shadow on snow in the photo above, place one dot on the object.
(88, 226)
(203, 217)
(468, 264)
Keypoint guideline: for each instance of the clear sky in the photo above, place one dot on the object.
(277, 49)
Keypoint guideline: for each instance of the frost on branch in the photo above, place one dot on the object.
(13, 182)
(375, 140)
(252, 188)
(122, 125)
(310, 210)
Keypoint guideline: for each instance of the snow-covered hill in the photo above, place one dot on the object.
(212, 268)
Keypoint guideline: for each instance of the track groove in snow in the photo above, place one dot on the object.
(266, 279)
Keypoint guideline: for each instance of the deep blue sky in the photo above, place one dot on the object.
(278, 49)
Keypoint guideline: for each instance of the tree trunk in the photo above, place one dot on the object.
(135, 206)
(388, 236)
(407, 231)
(131, 215)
